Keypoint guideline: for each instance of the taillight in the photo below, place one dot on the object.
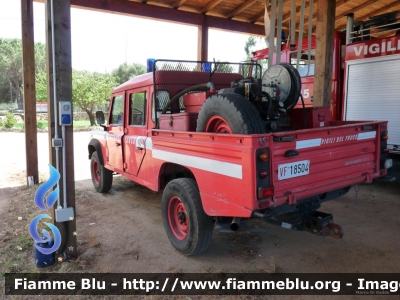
(263, 156)
(384, 136)
(265, 192)
(263, 178)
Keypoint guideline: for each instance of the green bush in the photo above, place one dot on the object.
(41, 125)
(10, 121)
(1, 123)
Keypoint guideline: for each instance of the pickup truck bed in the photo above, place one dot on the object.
(338, 156)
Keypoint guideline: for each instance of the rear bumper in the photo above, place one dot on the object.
(291, 198)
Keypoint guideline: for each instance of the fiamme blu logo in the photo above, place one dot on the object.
(46, 203)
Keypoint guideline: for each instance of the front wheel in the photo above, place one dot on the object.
(188, 227)
(101, 177)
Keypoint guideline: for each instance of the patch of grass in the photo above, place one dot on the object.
(19, 125)
(42, 124)
(82, 124)
(15, 260)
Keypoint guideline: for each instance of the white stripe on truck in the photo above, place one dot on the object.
(205, 164)
(366, 135)
(308, 143)
(336, 139)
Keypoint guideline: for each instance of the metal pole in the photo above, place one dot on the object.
(349, 28)
(53, 54)
(293, 26)
(310, 15)
(300, 43)
(271, 40)
(279, 33)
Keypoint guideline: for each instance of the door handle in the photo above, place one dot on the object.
(118, 144)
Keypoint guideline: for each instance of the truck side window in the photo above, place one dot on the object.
(116, 112)
(304, 62)
(137, 109)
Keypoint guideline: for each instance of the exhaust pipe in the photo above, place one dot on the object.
(235, 224)
(349, 28)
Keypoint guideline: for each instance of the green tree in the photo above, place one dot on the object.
(128, 71)
(11, 67)
(255, 43)
(41, 85)
(91, 89)
(252, 44)
(248, 47)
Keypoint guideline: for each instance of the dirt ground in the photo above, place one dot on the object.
(122, 231)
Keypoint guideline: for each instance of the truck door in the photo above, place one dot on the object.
(116, 132)
(136, 130)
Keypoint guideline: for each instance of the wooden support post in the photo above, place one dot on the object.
(202, 44)
(28, 59)
(324, 52)
(63, 62)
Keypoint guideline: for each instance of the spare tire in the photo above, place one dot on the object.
(229, 113)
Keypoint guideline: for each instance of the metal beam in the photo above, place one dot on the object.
(324, 52)
(28, 65)
(63, 61)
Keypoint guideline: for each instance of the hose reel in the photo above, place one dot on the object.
(282, 83)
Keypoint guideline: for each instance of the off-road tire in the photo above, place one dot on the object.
(241, 116)
(199, 229)
(102, 178)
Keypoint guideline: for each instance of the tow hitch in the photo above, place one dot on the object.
(317, 222)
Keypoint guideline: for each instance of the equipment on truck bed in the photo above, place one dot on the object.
(261, 103)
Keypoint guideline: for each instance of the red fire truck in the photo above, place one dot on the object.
(225, 144)
(365, 77)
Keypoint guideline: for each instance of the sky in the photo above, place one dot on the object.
(103, 41)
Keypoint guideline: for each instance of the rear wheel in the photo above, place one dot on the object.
(188, 227)
(101, 177)
(229, 113)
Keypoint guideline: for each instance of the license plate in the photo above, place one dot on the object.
(295, 169)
